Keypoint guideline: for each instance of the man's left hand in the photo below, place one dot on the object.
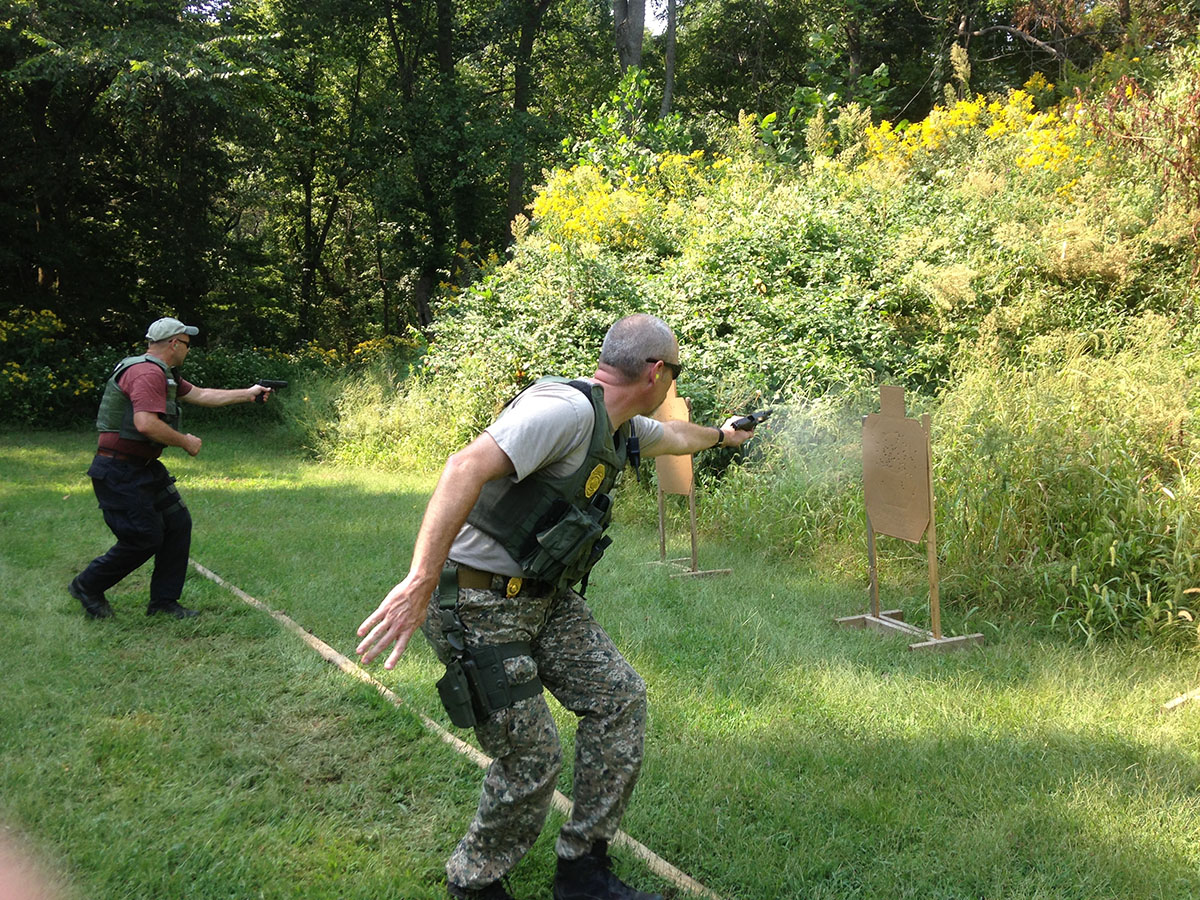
(394, 621)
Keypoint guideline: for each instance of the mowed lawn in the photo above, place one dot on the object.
(220, 757)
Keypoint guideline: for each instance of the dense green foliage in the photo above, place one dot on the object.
(289, 173)
(283, 172)
(1027, 273)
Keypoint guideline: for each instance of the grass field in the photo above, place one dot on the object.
(221, 758)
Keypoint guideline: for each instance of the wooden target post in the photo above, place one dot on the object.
(898, 488)
(675, 476)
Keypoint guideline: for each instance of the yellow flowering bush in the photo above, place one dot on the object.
(583, 208)
(580, 207)
(26, 329)
(1048, 141)
(680, 176)
(12, 374)
(934, 132)
(44, 381)
(389, 350)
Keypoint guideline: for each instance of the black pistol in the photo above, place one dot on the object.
(746, 423)
(273, 385)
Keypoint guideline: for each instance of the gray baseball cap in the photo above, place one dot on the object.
(167, 327)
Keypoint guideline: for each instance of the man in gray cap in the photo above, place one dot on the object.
(139, 418)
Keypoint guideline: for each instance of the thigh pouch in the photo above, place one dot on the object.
(475, 684)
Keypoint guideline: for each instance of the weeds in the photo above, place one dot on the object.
(1067, 481)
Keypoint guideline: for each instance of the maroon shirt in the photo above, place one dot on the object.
(145, 384)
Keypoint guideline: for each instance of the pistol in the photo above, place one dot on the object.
(268, 383)
(747, 423)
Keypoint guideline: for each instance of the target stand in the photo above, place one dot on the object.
(675, 476)
(898, 488)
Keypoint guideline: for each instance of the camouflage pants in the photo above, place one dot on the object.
(579, 664)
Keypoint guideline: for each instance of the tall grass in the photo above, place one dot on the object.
(1067, 484)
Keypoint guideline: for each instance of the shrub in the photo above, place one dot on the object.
(46, 379)
(51, 379)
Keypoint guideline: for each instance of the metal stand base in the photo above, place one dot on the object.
(892, 621)
(685, 563)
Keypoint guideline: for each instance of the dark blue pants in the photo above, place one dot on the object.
(144, 510)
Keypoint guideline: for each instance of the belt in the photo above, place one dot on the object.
(469, 577)
(125, 457)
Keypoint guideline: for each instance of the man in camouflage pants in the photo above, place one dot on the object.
(480, 512)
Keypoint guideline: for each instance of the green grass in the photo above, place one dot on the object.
(221, 758)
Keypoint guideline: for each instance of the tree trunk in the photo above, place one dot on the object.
(45, 215)
(531, 23)
(429, 188)
(629, 19)
(854, 51)
(308, 269)
(669, 74)
(385, 300)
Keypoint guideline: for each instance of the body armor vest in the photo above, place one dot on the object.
(116, 409)
(554, 526)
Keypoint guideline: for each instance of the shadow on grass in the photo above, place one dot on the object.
(827, 800)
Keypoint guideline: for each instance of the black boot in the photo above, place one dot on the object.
(95, 605)
(171, 608)
(493, 891)
(590, 877)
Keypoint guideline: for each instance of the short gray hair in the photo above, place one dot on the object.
(633, 340)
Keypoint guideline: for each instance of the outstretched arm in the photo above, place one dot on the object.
(403, 609)
(681, 438)
(216, 397)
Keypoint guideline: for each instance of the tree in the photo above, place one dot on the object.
(740, 55)
(669, 60)
(629, 20)
(113, 119)
(531, 14)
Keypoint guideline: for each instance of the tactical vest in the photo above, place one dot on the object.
(116, 409)
(554, 526)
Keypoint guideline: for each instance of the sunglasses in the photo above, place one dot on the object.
(675, 368)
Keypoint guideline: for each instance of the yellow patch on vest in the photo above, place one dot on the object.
(594, 480)
(513, 588)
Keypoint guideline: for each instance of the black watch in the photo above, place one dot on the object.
(720, 438)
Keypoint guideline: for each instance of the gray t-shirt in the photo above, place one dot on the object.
(547, 428)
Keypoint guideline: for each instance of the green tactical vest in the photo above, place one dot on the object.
(554, 527)
(116, 409)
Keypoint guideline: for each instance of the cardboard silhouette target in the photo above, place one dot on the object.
(675, 476)
(898, 490)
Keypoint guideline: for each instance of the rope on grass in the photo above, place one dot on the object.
(1172, 705)
(653, 861)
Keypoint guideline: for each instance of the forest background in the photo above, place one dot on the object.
(411, 210)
